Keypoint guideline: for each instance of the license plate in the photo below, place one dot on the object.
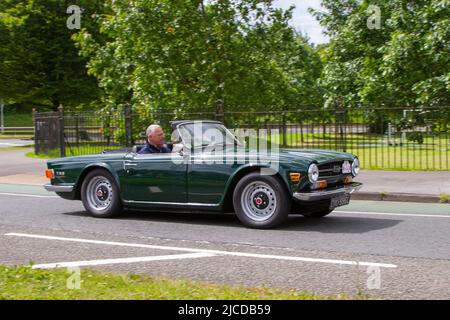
(339, 201)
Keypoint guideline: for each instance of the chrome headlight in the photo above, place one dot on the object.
(313, 173)
(355, 167)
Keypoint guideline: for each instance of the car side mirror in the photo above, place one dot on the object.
(184, 153)
(177, 147)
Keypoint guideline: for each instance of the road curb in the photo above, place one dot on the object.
(401, 197)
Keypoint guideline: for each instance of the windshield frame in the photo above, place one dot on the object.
(219, 124)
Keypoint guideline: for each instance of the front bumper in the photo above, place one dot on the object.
(59, 188)
(324, 194)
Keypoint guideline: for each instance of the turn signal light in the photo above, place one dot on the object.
(322, 184)
(295, 176)
(49, 173)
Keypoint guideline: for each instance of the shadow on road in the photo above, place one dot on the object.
(330, 224)
(339, 224)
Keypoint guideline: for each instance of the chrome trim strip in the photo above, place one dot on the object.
(324, 170)
(327, 177)
(59, 188)
(83, 162)
(172, 203)
(327, 194)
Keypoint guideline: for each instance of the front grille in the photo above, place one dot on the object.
(330, 169)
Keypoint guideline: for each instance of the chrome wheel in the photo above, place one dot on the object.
(99, 194)
(258, 200)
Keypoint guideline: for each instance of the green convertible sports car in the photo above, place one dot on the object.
(209, 169)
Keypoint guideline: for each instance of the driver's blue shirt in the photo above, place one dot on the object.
(149, 148)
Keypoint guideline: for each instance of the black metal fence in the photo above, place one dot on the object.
(383, 138)
(49, 132)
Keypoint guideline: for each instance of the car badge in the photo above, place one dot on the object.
(337, 169)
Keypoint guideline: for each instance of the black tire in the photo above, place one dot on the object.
(261, 201)
(103, 182)
(317, 214)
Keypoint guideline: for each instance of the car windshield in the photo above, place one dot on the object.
(202, 134)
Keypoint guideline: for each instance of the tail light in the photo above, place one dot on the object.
(50, 174)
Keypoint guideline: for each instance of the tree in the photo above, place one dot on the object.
(404, 63)
(40, 65)
(185, 55)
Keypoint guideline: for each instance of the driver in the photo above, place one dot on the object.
(155, 141)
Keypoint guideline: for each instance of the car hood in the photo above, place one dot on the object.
(300, 156)
(310, 155)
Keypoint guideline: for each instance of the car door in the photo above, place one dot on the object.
(207, 178)
(157, 177)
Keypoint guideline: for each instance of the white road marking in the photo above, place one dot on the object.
(396, 214)
(26, 195)
(121, 260)
(216, 252)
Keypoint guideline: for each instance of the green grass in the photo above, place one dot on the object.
(17, 134)
(16, 148)
(52, 154)
(433, 155)
(18, 119)
(444, 198)
(25, 283)
(402, 158)
(74, 151)
(375, 154)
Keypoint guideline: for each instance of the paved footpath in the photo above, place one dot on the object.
(16, 168)
(413, 186)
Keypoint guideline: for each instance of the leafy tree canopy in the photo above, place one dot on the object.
(403, 63)
(39, 63)
(176, 54)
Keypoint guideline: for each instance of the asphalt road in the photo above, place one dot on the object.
(13, 142)
(382, 249)
(14, 162)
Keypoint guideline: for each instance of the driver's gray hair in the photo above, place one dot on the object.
(151, 128)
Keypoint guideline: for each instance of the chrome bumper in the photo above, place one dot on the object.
(327, 194)
(59, 188)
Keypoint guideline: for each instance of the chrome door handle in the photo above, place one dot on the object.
(128, 164)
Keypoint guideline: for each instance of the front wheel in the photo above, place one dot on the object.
(100, 194)
(261, 201)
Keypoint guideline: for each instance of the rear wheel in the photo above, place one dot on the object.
(261, 201)
(100, 194)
